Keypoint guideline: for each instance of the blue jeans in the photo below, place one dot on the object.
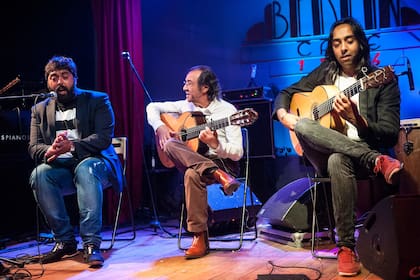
(343, 160)
(87, 178)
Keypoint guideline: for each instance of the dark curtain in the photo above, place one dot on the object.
(118, 28)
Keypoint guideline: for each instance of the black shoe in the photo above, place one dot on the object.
(61, 250)
(93, 256)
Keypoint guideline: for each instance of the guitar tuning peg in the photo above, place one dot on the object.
(364, 71)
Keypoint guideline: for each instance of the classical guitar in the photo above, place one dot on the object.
(189, 124)
(318, 104)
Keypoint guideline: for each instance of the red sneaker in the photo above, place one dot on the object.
(348, 263)
(388, 166)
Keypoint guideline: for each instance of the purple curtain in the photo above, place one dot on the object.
(118, 28)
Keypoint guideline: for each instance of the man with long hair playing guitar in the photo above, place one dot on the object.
(340, 116)
(201, 137)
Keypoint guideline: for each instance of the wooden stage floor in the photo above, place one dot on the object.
(154, 254)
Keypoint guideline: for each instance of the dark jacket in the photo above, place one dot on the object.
(379, 105)
(95, 124)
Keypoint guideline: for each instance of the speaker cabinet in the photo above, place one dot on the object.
(261, 141)
(290, 208)
(407, 150)
(389, 241)
(225, 211)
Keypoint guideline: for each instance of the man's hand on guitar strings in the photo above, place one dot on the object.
(345, 108)
(209, 137)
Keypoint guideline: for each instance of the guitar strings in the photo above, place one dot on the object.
(193, 132)
(325, 107)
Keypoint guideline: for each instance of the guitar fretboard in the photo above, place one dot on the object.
(191, 133)
(327, 106)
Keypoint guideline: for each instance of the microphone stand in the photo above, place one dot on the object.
(5, 270)
(18, 264)
(126, 55)
(156, 223)
(35, 95)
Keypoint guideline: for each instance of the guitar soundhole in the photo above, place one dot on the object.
(183, 134)
(315, 112)
(315, 115)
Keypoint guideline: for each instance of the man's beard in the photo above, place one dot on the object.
(65, 98)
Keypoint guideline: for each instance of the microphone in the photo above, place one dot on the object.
(126, 55)
(49, 94)
(410, 75)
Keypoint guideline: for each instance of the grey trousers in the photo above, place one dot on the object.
(343, 160)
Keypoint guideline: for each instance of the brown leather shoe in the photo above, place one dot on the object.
(199, 247)
(230, 185)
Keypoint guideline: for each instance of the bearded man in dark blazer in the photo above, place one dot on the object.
(71, 144)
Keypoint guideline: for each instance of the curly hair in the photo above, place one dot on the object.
(208, 78)
(60, 63)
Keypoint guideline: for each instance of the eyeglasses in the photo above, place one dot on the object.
(188, 83)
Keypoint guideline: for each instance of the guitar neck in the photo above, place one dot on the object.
(193, 132)
(327, 106)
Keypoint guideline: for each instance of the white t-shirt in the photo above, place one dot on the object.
(343, 82)
(72, 134)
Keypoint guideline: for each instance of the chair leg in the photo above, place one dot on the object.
(116, 221)
(241, 232)
(314, 252)
(181, 221)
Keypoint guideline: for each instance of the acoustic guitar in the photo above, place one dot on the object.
(318, 104)
(189, 124)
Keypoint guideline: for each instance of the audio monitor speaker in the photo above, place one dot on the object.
(225, 211)
(389, 241)
(290, 208)
(261, 141)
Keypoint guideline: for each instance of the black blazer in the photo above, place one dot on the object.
(95, 124)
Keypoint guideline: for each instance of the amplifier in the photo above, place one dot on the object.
(243, 94)
(410, 123)
(261, 141)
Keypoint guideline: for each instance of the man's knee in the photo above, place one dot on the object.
(89, 165)
(337, 163)
(302, 126)
(38, 171)
(170, 145)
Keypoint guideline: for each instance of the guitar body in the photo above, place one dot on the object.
(188, 126)
(177, 123)
(318, 104)
(303, 105)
